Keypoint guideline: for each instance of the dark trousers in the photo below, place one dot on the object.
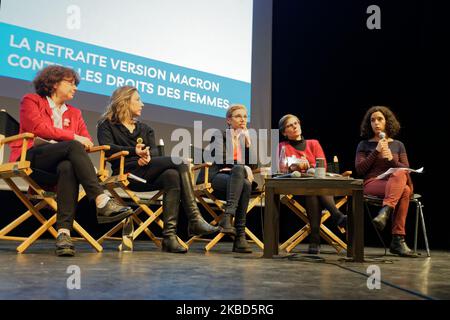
(235, 189)
(161, 174)
(314, 206)
(67, 165)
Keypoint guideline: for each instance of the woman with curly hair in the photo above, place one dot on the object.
(376, 154)
(64, 163)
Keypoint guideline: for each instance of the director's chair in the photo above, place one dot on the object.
(215, 207)
(330, 237)
(300, 235)
(120, 183)
(42, 198)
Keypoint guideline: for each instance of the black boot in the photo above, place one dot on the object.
(399, 246)
(383, 216)
(339, 220)
(197, 225)
(226, 226)
(240, 243)
(171, 203)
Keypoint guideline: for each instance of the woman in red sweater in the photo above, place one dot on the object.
(301, 154)
(376, 154)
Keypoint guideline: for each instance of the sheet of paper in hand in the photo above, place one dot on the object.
(392, 170)
(136, 178)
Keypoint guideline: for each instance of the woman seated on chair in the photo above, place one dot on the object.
(376, 154)
(46, 115)
(231, 175)
(120, 129)
(301, 155)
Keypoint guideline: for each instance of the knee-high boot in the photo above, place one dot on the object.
(171, 205)
(197, 225)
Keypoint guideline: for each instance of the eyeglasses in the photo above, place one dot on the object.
(239, 116)
(292, 125)
(71, 82)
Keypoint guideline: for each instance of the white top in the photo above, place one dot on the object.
(57, 113)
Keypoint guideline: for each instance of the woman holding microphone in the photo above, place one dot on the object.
(378, 152)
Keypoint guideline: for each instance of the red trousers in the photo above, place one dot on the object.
(395, 193)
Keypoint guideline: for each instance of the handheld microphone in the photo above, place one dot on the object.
(294, 174)
(382, 135)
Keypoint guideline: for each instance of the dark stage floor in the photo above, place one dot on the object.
(220, 274)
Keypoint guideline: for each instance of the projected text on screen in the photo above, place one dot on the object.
(176, 81)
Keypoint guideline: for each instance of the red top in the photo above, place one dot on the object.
(312, 151)
(237, 152)
(36, 118)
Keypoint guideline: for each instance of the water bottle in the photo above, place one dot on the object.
(283, 165)
(127, 235)
(320, 168)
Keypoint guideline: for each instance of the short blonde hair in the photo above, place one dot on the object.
(233, 108)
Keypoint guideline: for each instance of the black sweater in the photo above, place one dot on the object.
(119, 138)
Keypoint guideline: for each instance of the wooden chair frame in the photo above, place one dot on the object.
(216, 207)
(22, 169)
(129, 234)
(300, 235)
(330, 237)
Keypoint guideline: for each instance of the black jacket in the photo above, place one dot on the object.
(119, 138)
(221, 147)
